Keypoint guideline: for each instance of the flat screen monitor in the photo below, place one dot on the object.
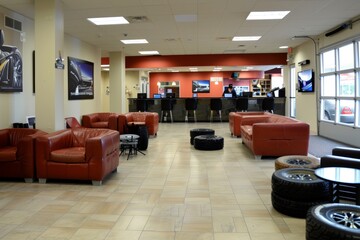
(228, 95)
(156, 95)
(170, 95)
(201, 86)
(306, 81)
(141, 95)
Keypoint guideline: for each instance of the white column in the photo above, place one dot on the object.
(118, 100)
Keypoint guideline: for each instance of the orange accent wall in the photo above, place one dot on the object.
(185, 80)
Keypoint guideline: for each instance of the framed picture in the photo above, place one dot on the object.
(11, 74)
(80, 79)
(201, 86)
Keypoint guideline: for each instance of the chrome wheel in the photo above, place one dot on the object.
(347, 219)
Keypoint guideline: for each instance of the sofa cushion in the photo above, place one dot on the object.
(247, 131)
(99, 124)
(68, 155)
(8, 154)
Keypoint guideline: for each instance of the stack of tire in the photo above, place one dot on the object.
(333, 221)
(295, 190)
(200, 131)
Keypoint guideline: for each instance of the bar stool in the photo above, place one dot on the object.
(141, 105)
(166, 107)
(267, 104)
(190, 105)
(215, 105)
(242, 104)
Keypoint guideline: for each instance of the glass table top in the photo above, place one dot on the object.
(339, 175)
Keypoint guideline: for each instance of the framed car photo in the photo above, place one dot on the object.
(80, 79)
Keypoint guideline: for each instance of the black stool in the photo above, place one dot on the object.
(215, 105)
(242, 104)
(208, 142)
(166, 106)
(267, 104)
(200, 131)
(141, 105)
(190, 105)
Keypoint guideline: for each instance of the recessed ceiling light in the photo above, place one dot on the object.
(134, 41)
(284, 47)
(246, 38)
(108, 20)
(148, 52)
(267, 15)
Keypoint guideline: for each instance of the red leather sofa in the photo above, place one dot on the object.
(100, 120)
(275, 135)
(235, 121)
(79, 153)
(17, 153)
(150, 119)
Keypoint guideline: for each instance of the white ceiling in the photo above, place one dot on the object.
(217, 22)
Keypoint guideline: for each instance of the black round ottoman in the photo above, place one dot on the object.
(208, 142)
(200, 131)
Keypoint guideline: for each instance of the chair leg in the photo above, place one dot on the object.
(161, 117)
(96, 183)
(186, 115)
(195, 116)
(171, 117)
(211, 115)
(220, 115)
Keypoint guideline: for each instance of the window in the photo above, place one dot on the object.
(293, 81)
(339, 79)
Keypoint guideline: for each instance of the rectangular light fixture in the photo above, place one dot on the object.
(108, 20)
(134, 41)
(283, 47)
(149, 52)
(246, 38)
(267, 15)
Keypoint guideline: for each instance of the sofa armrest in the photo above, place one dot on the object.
(101, 153)
(339, 161)
(86, 120)
(4, 138)
(346, 152)
(113, 121)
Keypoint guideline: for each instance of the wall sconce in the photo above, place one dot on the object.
(107, 91)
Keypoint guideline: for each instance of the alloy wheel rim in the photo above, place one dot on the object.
(297, 161)
(347, 219)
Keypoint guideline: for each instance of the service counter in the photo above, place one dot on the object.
(203, 109)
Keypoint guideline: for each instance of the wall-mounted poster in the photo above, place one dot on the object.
(201, 86)
(80, 79)
(10, 67)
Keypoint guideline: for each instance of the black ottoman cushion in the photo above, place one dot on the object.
(200, 131)
(208, 142)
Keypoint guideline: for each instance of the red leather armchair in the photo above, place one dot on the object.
(150, 119)
(79, 153)
(100, 120)
(17, 153)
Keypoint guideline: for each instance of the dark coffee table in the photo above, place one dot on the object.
(339, 177)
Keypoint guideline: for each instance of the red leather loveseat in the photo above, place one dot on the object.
(17, 153)
(275, 135)
(100, 120)
(150, 119)
(79, 153)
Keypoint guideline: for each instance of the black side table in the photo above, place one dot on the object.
(342, 177)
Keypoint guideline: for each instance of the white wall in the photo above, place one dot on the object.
(16, 106)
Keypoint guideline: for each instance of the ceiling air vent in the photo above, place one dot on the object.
(13, 23)
(137, 19)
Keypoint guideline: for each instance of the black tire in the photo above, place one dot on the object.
(144, 138)
(208, 142)
(333, 221)
(296, 161)
(200, 131)
(300, 184)
(290, 207)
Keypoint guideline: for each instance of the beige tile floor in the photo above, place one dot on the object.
(174, 192)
